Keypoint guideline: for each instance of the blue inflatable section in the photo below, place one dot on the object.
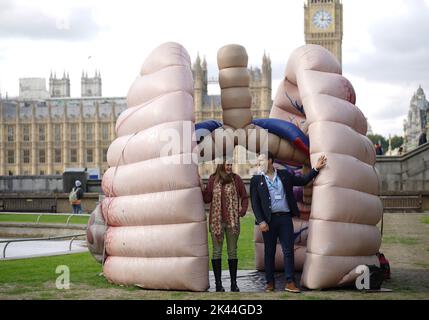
(210, 125)
(204, 128)
(280, 128)
(285, 130)
(298, 234)
(288, 165)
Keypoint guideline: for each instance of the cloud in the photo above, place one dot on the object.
(35, 24)
(388, 127)
(400, 48)
(385, 105)
(384, 49)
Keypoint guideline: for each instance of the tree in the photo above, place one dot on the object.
(397, 142)
(377, 138)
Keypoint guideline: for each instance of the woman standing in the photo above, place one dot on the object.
(226, 193)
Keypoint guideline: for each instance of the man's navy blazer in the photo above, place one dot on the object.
(260, 195)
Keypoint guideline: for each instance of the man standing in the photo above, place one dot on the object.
(378, 149)
(422, 138)
(75, 197)
(274, 206)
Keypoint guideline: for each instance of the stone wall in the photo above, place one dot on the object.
(407, 173)
(35, 184)
(40, 184)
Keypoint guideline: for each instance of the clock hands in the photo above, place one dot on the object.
(322, 19)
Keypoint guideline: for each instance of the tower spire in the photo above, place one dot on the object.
(322, 23)
(204, 63)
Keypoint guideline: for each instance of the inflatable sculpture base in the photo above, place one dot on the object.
(151, 229)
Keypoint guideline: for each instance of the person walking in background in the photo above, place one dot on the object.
(226, 193)
(75, 197)
(378, 149)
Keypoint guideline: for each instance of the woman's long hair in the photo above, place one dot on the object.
(221, 175)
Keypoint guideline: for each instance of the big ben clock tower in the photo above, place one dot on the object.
(324, 25)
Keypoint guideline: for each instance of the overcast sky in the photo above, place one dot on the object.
(385, 46)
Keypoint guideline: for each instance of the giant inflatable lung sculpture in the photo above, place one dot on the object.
(156, 225)
(345, 205)
(152, 227)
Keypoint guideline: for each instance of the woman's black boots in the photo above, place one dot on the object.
(233, 263)
(217, 270)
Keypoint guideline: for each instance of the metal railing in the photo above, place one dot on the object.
(39, 215)
(29, 204)
(403, 203)
(73, 237)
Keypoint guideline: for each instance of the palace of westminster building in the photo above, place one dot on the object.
(44, 132)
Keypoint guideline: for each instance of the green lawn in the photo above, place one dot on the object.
(245, 242)
(36, 271)
(400, 240)
(35, 277)
(245, 245)
(405, 244)
(43, 219)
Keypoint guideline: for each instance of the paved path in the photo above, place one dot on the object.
(29, 249)
(249, 281)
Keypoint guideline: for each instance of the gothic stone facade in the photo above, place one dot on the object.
(45, 137)
(48, 135)
(417, 119)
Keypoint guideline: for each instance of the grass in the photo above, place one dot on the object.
(408, 241)
(425, 219)
(245, 245)
(245, 241)
(405, 244)
(424, 265)
(38, 275)
(38, 271)
(43, 219)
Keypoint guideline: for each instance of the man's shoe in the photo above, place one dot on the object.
(269, 287)
(291, 287)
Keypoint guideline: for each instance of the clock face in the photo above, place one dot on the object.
(322, 19)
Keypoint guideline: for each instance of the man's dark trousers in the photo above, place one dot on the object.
(280, 227)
